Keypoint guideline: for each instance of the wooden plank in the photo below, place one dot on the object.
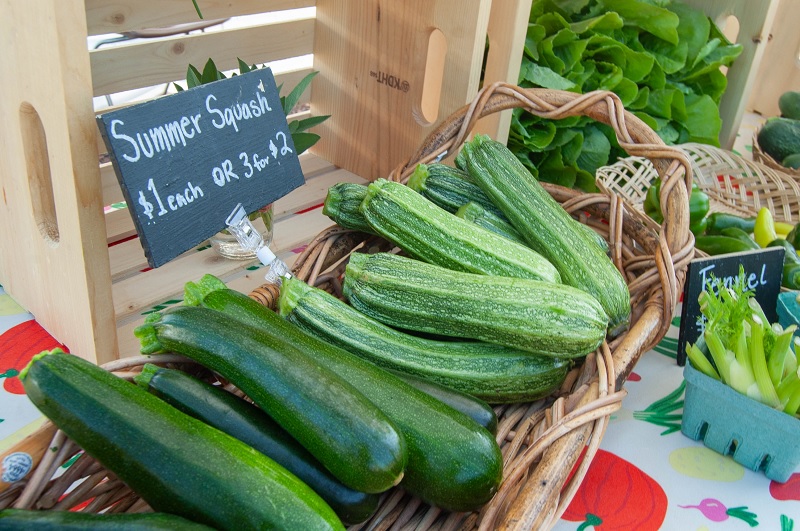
(372, 83)
(780, 66)
(288, 78)
(152, 62)
(117, 16)
(130, 299)
(291, 229)
(755, 19)
(54, 262)
(119, 224)
(508, 24)
(127, 258)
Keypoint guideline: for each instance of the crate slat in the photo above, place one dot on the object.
(151, 62)
(139, 294)
(104, 17)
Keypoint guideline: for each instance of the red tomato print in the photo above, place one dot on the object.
(786, 491)
(17, 346)
(616, 495)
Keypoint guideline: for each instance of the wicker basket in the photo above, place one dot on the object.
(734, 184)
(547, 445)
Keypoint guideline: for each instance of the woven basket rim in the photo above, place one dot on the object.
(554, 439)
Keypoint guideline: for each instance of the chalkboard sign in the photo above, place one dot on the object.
(763, 270)
(184, 161)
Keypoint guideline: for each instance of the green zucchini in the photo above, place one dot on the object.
(491, 372)
(540, 317)
(475, 408)
(342, 204)
(449, 187)
(453, 463)
(250, 424)
(477, 214)
(547, 227)
(344, 430)
(20, 519)
(158, 451)
(434, 235)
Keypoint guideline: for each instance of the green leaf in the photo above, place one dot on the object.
(243, 67)
(604, 23)
(671, 57)
(197, 8)
(596, 149)
(572, 149)
(308, 123)
(627, 91)
(294, 96)
(703, 122)
(303, 141)
(544, 77)
(533, 37)
(210, 73)
(655, 20)
(693, 28)
(193, 77)
(660, 103)
(553, 170)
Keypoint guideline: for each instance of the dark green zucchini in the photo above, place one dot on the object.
(491, 372)
(176, 463)
(250, 424)
(21, 519)
(453, 462)
(471, 406)
(343, 429)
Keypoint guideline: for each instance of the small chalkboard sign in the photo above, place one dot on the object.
(763, 270)
(184, 161)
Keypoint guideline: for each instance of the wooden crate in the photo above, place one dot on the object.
(745, 22)
(82, 272)
(779, 70)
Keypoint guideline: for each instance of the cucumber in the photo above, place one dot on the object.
(177, 464)
(540, 317)
(346, 432)
(250, 424)
(453, 463)
(547, 227)
(18, 519)
(491, 372)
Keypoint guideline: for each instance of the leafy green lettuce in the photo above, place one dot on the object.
(662, 58)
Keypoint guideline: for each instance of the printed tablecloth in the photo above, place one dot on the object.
(646, 475)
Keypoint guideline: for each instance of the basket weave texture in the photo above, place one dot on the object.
(547, 445)
(734, 184)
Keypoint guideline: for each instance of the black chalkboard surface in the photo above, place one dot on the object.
(764, 271)
(184, 161)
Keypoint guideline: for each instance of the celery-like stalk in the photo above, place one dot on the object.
(741, 377)
(792, 404)
(776, 359)
(759, 362)
(722, 357)
(783, 387)
(700, 362)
